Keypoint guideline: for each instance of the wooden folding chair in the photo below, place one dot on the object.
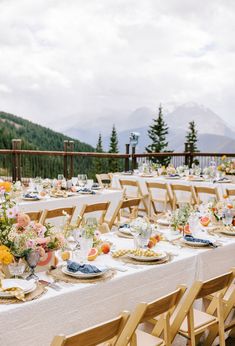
(210, 192)
(230, 193)
(104, 180)
(35, 215)
(228, 307)
(130, 204)
(187, 195)
(108, 331)
(192, 323)
(131, 190)
(51, 214)
(161, 189)
(163, 308)
(92, 208)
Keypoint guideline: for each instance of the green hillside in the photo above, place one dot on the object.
(37, 137)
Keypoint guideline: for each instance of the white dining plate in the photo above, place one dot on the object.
(80, 275)
(173, 178)
(193, 243)
(159, 256)
(125, 230)
(26, 286)
(228, 232)
(30, 198)
(163, 222)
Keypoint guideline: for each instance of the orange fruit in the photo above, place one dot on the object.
(105, 248)
(229, 206)
(92, 254)
(187, 229)
(65, 255)
(154, 240)
(150, 244)
(205, 220)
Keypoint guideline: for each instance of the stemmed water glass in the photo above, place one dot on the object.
(82, 180)
(17, 268)
(32, 259)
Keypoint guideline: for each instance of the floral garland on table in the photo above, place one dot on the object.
(19, 235)
(227, 166)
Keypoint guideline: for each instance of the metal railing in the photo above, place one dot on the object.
(16, 163)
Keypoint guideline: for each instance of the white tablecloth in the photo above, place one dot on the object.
(80, 306)
(113, 196)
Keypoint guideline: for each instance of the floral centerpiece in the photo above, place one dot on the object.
(20, 236)
(180, 218)
(171, 170)
(226, 166)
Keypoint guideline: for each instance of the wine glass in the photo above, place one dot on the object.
(227, 216)
(32, 259)
(60, 177)
(82, 180)
(74, 181)
(16, 269)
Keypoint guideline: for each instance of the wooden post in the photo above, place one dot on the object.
(66, 159)
(186, 149)
(133, 161)
(127, 168)
(16, 160)
(71, 171)
(190, 155)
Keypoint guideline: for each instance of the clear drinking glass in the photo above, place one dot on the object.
(227, 216)
(16, 269)
(74, 181)
(82, 180)
(60, 176)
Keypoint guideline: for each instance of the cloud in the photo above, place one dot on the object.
(76, 61)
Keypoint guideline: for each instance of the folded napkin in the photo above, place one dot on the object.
(17, 292)
(220, 180)
(189, 238)
(85, 189)
(173, 175)
(30, 195)
(125, 225)
(83, 268)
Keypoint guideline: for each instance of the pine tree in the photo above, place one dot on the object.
(99, 163)
(191, 136)
(113, 148)
(157, 133)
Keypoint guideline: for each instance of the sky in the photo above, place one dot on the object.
(72, 62)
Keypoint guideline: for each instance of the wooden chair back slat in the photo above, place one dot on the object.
(215, 285)
(211, 191)
(124, 204)
(92, 208)
(104, 179)
(166, 200)
(182, 188)
(59, 212)
(96, 335)
(35, 215)
(230, 192)
(160, 306)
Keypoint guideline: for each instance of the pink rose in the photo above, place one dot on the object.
(23, 220)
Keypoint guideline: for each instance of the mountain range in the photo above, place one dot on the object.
(214, 134)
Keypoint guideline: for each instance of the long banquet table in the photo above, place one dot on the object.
(78, 306)
(142, 182)
(113, 196)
